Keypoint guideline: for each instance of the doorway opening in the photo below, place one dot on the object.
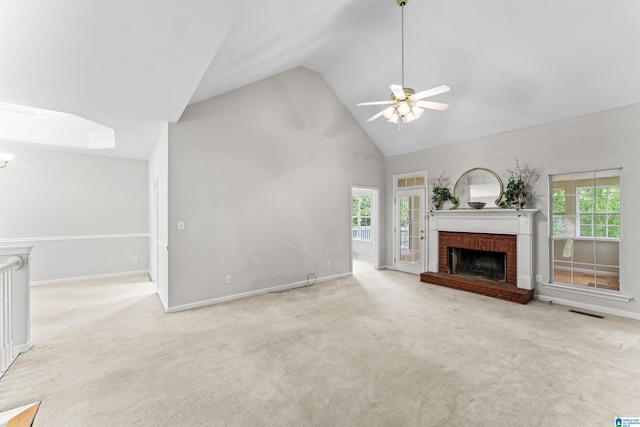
(365, 254)
(409, 225)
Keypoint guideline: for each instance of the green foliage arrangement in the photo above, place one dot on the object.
(518, 188)
(440, 191)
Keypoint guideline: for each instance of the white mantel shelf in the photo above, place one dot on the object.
(485, 212)
(493, 221)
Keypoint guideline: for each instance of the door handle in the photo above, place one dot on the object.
(421, 237)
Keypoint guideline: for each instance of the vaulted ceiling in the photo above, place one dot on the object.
(134, 65)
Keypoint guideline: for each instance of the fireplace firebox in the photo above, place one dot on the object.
(478, 263)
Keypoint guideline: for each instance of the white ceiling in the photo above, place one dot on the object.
(511, 64)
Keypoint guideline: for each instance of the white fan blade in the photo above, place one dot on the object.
(374, 103)
(432, 105)
(432, 92)
(398, 92)
(372, 118)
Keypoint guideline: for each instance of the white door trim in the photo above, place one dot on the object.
(395, 224)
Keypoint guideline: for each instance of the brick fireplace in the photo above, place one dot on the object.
(501, 234)
(495, 243)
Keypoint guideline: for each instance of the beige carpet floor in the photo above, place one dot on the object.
(376, 349)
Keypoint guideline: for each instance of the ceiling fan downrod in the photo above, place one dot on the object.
(402, 3)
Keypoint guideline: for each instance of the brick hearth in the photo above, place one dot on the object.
(479, 241)
(480, 286)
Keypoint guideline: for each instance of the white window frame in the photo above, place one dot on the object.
(420, 175)
(616, 295)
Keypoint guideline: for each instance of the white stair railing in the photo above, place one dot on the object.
(15, 303)
(7, 354)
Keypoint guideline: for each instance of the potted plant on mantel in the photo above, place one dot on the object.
(519, 184)
(440, 192)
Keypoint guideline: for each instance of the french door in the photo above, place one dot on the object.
(409, 230)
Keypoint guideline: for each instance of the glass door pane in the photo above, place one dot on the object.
(410, 230)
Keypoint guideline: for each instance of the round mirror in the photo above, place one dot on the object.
(479, 185)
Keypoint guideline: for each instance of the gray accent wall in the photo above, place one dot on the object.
(261, 177)
(85, 215)
(599, 141)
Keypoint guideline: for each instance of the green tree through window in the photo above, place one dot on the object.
(599, 211)
(559, 211)
(361, 217)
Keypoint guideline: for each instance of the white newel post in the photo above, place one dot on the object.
(20, 296)
(493, 221)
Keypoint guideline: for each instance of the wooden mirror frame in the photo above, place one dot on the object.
(457, 188)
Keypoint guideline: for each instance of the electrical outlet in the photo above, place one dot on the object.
(228, 278)
(180, 225)
(538, 278)
(135, 259)
(328, 263)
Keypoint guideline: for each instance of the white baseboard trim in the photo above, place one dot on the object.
(386, 267)
(21, 348)
(589, 307)
(85, 237)
(286, 287)
(165, 306)
(81, 278)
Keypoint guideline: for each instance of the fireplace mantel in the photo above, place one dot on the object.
(518, 222)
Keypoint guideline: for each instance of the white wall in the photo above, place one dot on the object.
(159, 216)
(85, 215)
(599, 141)
(362, 249)
(262, 178)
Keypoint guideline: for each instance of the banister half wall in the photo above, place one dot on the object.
(15, 328)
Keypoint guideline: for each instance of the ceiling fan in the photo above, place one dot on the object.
(405, 104)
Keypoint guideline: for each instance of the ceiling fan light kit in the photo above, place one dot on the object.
(405, 105)
(5, 158)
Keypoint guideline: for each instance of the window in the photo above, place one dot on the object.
(415, 181)
(361, 217)
(559, 211)
(599, 211)
(410, 180)
(586, 228)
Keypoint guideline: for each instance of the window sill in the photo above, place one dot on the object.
(589, 292)
(362, 240)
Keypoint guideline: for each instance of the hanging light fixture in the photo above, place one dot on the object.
(406, 105)
(5, 158)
